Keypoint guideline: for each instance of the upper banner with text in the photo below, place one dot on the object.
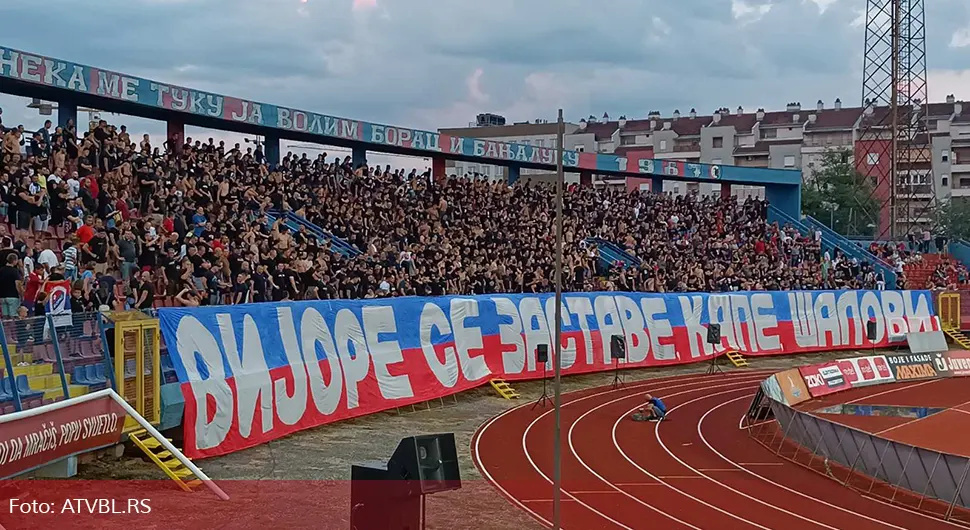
(252, 373)
(65, 75)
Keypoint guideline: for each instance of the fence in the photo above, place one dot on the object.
(915, 478)
(54, 357)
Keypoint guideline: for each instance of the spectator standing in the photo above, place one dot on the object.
(11, 287)
(70, 256)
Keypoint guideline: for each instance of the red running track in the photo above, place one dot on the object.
(935, 432)
(696, 470)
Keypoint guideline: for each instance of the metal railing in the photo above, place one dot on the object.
(51, 358)
(919, 479)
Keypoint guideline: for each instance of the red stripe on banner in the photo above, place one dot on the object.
(290, 398)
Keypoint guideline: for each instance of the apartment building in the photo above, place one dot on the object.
(793, 138)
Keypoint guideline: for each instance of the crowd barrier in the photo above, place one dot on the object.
(899, 473)
(254, 373)
(66, 355)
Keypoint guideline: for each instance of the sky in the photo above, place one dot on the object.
(437, 63)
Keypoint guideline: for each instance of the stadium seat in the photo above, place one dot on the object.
(23, 386)
(91, 374)
(79, 376)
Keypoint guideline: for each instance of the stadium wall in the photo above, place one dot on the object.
(254, 373)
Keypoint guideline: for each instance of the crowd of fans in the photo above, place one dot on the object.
(133, 223)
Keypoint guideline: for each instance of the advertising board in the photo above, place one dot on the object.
(913, 366)
(868, 370)
(824, 378)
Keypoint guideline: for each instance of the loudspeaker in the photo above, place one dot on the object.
(713, 333)
(542, 353)
(871, 330)
(378, 502)
(617, 347)
(429, 462)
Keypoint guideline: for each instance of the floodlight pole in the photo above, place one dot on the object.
(557, 399)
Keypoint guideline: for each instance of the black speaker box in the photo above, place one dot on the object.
(542, 353)
(871, 330)
(714, 334)
(617, 347)
(430, 462)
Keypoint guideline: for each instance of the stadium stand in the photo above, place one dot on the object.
(143, 225)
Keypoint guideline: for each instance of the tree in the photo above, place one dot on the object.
(951, 217)
(840, 197)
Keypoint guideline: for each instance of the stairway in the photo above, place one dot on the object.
(958, 337)
(294, 222)
(165, 460)
(736, 359)
(611, 253)
(504, 389)
(831, 240)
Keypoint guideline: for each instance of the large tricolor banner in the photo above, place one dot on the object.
(253, 373)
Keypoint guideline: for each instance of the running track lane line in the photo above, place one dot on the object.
(891, 390)
(900, 510)
(476, 439)
(702, 475)
(880, 522)
(796, 492)
(572, 448)
(894, 427)
(528, 455)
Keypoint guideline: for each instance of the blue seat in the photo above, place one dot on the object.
(5, 385)
(78, 376)
(99, 372)
(167, 363)
(23, 386)
(4, 395)
(91, 374)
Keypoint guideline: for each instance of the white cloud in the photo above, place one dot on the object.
(363, 5)
(660, 27)
(942, 83)
(823, 5)
(474, 83)
(960, 38)
(748, 13)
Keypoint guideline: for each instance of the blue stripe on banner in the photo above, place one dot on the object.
(360, 356)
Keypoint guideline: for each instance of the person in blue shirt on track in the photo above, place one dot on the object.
(655, 408)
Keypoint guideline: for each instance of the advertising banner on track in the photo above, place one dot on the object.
(913, 366)
(867, 370)
(253, 373)
(953, 363)
(30, 442)
(824, 378)
(791, 386)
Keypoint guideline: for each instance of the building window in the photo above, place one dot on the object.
(663, 145)
(628, 140)
(716, 161)
(718, 142)
(945, 180)
(945, 156)
(789, 161)
(579, 148)
(872, 158)
(769, 133)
